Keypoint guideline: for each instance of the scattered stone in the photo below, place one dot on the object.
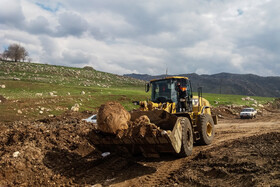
(68, 93)
(83, 93)
(3, 86)
(16, 154)
(52, 94)
(75, 108)
(19, 111)
(39, 94)
(16, 79)
(41, 112)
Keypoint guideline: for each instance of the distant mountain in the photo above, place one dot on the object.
(227, 83)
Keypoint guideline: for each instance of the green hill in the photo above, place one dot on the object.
(30, 87)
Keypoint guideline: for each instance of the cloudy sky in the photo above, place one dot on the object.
(148, 36)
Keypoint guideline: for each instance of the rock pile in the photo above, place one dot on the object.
(114, 119)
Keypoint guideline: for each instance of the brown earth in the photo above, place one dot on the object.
(55, 152)
(2, 99)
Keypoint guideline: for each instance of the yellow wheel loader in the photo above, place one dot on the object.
(181, 120)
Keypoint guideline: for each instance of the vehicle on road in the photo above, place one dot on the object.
(248, 113)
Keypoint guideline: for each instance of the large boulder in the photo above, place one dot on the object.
(112, 117)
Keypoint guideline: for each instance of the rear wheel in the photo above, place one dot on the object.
(187, 138)
(206, 129)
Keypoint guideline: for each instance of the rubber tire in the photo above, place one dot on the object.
(187, 138)
(203, 120)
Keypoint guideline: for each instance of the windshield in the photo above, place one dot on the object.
(247, 110)
(163, 91)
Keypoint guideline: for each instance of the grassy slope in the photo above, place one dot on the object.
(99, 87)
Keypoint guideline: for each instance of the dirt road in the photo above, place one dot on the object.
(241, 155)
(55, 151)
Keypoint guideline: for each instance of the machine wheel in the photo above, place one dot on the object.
(206, 129)
(187, 138)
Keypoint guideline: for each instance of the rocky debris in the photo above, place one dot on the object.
(112, 117)
(255, 102)
(247, 99)
(16, 154)
(52, 94)
(16, 79)
(68, 93)
(39, 94)
(19, 111)
(3, 86)
(83, 93)
(141, 127)
(75, 108)
(260, 105)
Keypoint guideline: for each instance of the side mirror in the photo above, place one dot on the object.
(147, 87)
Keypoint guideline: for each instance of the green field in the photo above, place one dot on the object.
(55, 89)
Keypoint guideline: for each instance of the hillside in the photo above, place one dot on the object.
(63, 75)
(226, 83)
(29, 90)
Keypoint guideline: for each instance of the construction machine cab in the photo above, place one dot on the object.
(172, 90)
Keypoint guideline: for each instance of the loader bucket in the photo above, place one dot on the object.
(164, 137)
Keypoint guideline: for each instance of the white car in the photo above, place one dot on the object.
(91, 119)
(248, 113)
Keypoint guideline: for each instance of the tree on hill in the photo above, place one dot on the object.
(15, 52)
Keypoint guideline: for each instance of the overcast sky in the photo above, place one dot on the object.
(148, 36)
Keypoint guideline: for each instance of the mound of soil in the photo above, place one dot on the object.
(252, 161)
(112, 117)
(227, 112)
(40, 153)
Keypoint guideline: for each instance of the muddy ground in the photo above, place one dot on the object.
(55, 152)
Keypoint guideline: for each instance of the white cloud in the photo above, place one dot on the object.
(124, 36)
